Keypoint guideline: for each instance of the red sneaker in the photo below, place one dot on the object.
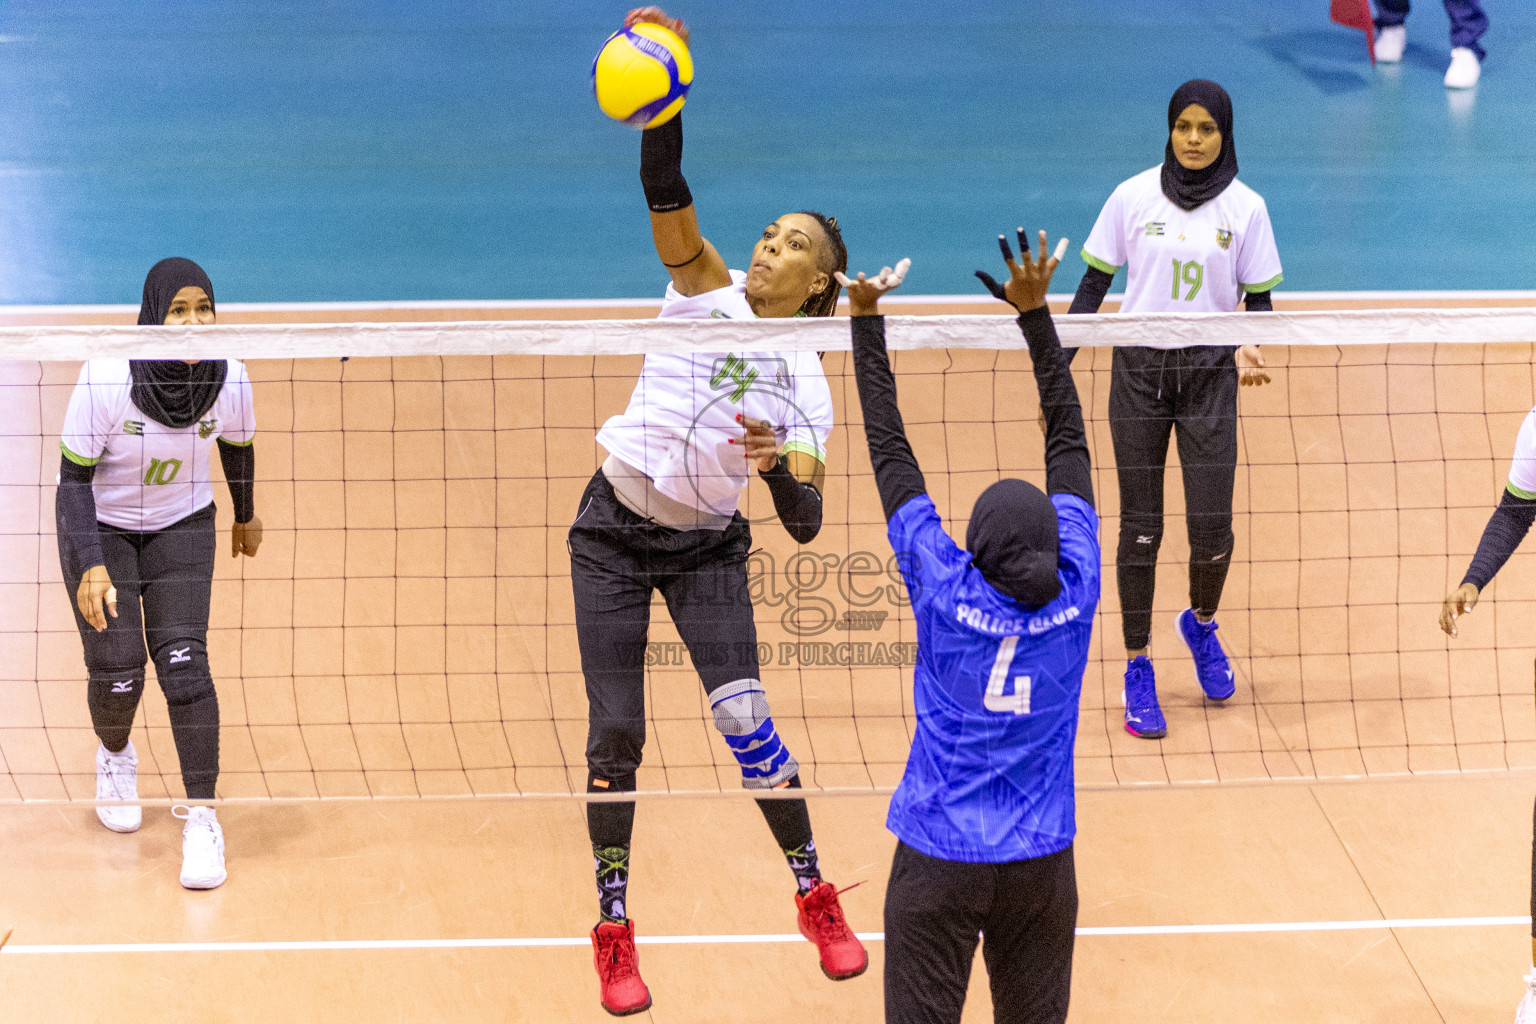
(821, 921)
(618, 969)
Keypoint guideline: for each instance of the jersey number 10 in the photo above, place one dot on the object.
(1017, 702)
(162, 471)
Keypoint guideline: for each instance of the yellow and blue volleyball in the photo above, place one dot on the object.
(642, 74)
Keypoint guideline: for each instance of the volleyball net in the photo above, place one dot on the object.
(407, 628)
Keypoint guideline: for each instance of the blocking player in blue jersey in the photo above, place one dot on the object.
(985, 812)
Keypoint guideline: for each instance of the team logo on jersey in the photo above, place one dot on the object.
(1223, 237)
(205, 428)
(133, 426)
(1155, 227)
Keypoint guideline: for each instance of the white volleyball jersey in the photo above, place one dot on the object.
(1522, 469)
(148, 475)
(682, 413)
(1184, 261)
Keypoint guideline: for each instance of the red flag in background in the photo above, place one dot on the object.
(1356, 14)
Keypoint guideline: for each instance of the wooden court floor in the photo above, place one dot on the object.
(1313, 853)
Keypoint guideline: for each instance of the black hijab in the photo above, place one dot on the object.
(170, 391)
(1185, 188)
(1013, 541)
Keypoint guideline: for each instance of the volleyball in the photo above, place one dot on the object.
(642, 74)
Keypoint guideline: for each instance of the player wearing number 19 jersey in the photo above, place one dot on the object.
(985, 812)
(1193, 239)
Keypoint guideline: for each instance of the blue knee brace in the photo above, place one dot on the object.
(741, 715)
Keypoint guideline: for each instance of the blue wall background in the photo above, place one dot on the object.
(355, 150)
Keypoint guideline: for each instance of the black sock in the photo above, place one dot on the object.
(790, 823)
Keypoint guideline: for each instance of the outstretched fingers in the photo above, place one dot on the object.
(1002, 244)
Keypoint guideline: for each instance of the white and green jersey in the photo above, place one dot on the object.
(681, 417)
(148, 475)
(1522, 468)
(1184, 261)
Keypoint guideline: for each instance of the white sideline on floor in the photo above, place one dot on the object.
(15, 949)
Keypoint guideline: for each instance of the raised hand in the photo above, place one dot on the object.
(864, 293)
(1028, 280)
(656, 16)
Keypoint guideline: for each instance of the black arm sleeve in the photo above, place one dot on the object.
(1258, 302)
(1506, 528)
(1091, 291)
(798, 504)
(1067, 469)
(77, 514)
(240, 471)
(896, 471)
(661, 167)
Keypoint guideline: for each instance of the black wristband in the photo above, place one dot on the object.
(661, 167)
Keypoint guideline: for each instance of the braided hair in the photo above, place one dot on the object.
(824, 302)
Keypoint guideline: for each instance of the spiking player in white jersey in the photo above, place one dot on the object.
(1192, 239)
(136, 527)
(661, 514)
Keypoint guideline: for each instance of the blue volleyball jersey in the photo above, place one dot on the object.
(996, 687)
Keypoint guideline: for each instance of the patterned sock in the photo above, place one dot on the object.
(612, 865)
(802, 861)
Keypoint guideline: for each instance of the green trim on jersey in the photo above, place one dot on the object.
(1517, 492)
(801, 446)
(237, 444)
(79, 460)
(1264, 286)
(1098, 264)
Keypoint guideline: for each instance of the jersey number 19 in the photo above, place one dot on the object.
(996, 699)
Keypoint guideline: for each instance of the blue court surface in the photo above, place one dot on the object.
(392, 150)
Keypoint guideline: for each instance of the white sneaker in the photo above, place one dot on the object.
(1390, 43)
(1525, 1013)
(1465, 69)
(202, 848)
(117, 778)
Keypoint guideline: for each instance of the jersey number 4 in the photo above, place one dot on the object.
(998, 698)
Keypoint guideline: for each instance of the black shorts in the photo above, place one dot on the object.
(1025, 912)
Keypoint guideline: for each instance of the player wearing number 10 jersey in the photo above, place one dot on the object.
(1193, 239)
(985, 811)
(137, 544)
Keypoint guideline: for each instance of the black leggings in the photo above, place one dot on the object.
(171, 572)
(1150, 391)
(1025, 911)
(618, 560)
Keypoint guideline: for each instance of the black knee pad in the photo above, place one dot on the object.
(1139, 541)
(614, 750)
(182, 666)
(1211, 546)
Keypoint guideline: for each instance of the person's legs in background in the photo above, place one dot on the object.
(1391, 35)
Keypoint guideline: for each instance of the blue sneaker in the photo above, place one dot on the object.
(1211, 663)
(1142, 715)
